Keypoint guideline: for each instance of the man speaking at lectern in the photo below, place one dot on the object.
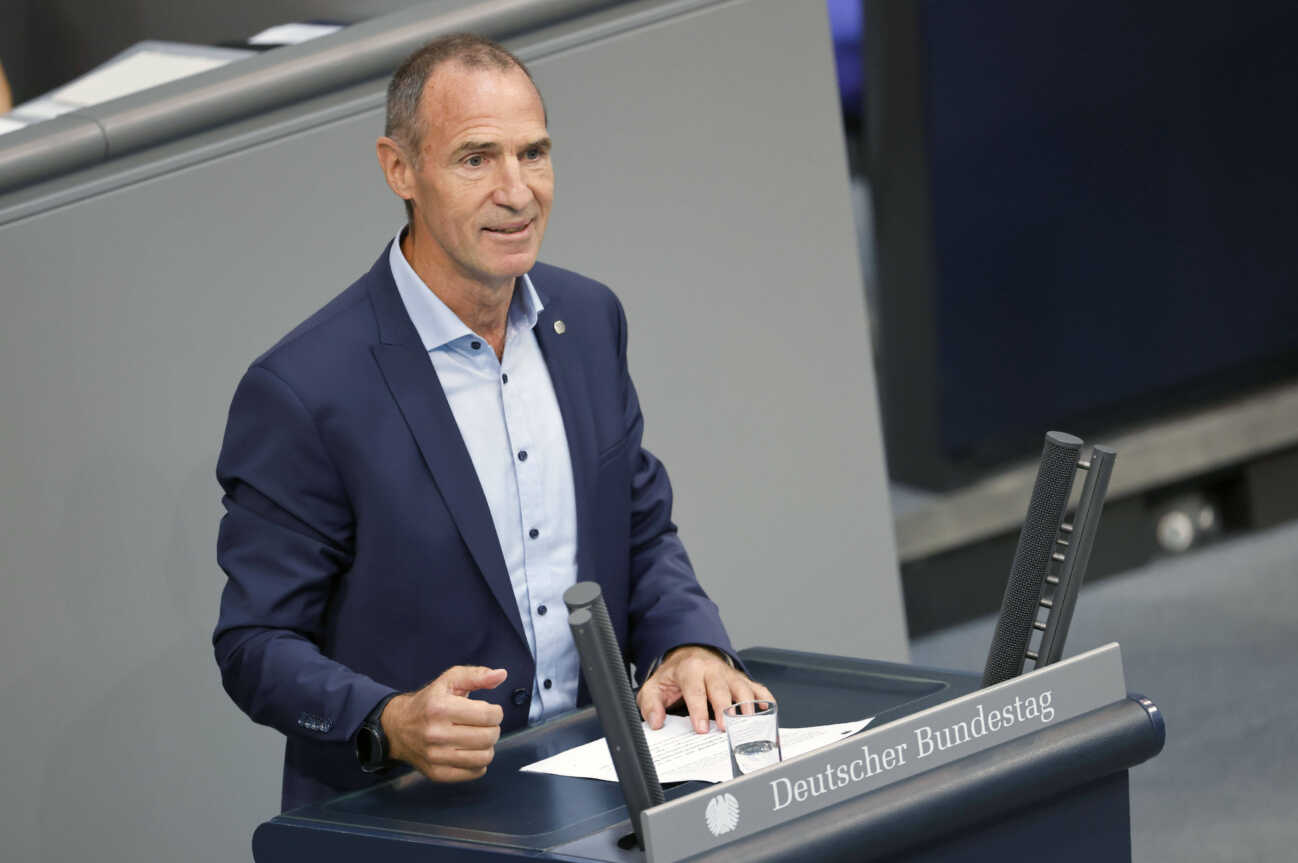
(415, 474)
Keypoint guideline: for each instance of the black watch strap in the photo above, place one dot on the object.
(371, 742)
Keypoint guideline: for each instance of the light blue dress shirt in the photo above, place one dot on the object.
(509, 418)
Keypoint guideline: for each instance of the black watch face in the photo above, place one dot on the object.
(367, 746)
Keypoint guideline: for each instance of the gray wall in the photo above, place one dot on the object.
(701, 173)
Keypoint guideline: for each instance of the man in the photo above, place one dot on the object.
(415, 474)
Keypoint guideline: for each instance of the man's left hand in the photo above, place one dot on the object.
(699, 676)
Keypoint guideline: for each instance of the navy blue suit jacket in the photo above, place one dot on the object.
(360, 553)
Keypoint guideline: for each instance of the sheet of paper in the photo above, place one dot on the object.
(681, 755)
(292, 34)
(43, 108)
(137, 72)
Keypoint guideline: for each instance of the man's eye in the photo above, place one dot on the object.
(532, 154)
(475, 161)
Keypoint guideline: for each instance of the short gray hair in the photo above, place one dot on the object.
(407, 85)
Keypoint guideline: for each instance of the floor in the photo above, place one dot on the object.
(1211, 637)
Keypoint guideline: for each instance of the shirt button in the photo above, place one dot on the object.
(541, 610)
(519, 697)
(504, 379)
(547, 684)
(475, 345)
(522, 455)
(534, 533)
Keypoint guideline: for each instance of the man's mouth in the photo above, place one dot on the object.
(511, 228)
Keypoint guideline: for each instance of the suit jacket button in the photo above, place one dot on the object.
(519, 697)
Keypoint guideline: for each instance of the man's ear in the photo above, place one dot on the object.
(397, 167)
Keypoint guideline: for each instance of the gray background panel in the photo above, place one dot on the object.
(748, 327)
(701, 173)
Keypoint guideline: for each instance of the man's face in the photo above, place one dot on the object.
(483, 182)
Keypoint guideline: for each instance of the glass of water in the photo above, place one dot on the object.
(753, 729)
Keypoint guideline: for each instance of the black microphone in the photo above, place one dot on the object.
(610, 689)
(1032, 558)
(1074, 555)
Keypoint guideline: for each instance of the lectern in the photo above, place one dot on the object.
(1058, 788)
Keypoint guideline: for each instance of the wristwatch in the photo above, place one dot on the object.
(372, 743)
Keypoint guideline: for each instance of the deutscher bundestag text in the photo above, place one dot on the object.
(927, 740)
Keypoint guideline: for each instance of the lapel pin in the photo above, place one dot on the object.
(560, 327)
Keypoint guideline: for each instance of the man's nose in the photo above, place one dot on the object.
(511, 190)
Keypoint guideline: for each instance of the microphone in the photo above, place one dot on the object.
(610, 689)
(1074, 556)
(1037, 541)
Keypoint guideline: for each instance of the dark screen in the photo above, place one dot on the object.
(1115, 196)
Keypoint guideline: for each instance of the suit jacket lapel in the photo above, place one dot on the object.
(414, 385)
(561, 350)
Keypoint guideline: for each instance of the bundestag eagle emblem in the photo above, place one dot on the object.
(723, 814)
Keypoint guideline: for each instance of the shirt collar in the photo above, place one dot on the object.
(436, 324)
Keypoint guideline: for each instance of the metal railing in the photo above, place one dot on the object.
(362, 52)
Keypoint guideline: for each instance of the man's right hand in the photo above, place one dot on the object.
(440, 731)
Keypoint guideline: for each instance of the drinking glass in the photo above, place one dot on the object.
(753, 730)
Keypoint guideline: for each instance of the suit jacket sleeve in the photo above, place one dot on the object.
(668, 608)
(284, 542)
